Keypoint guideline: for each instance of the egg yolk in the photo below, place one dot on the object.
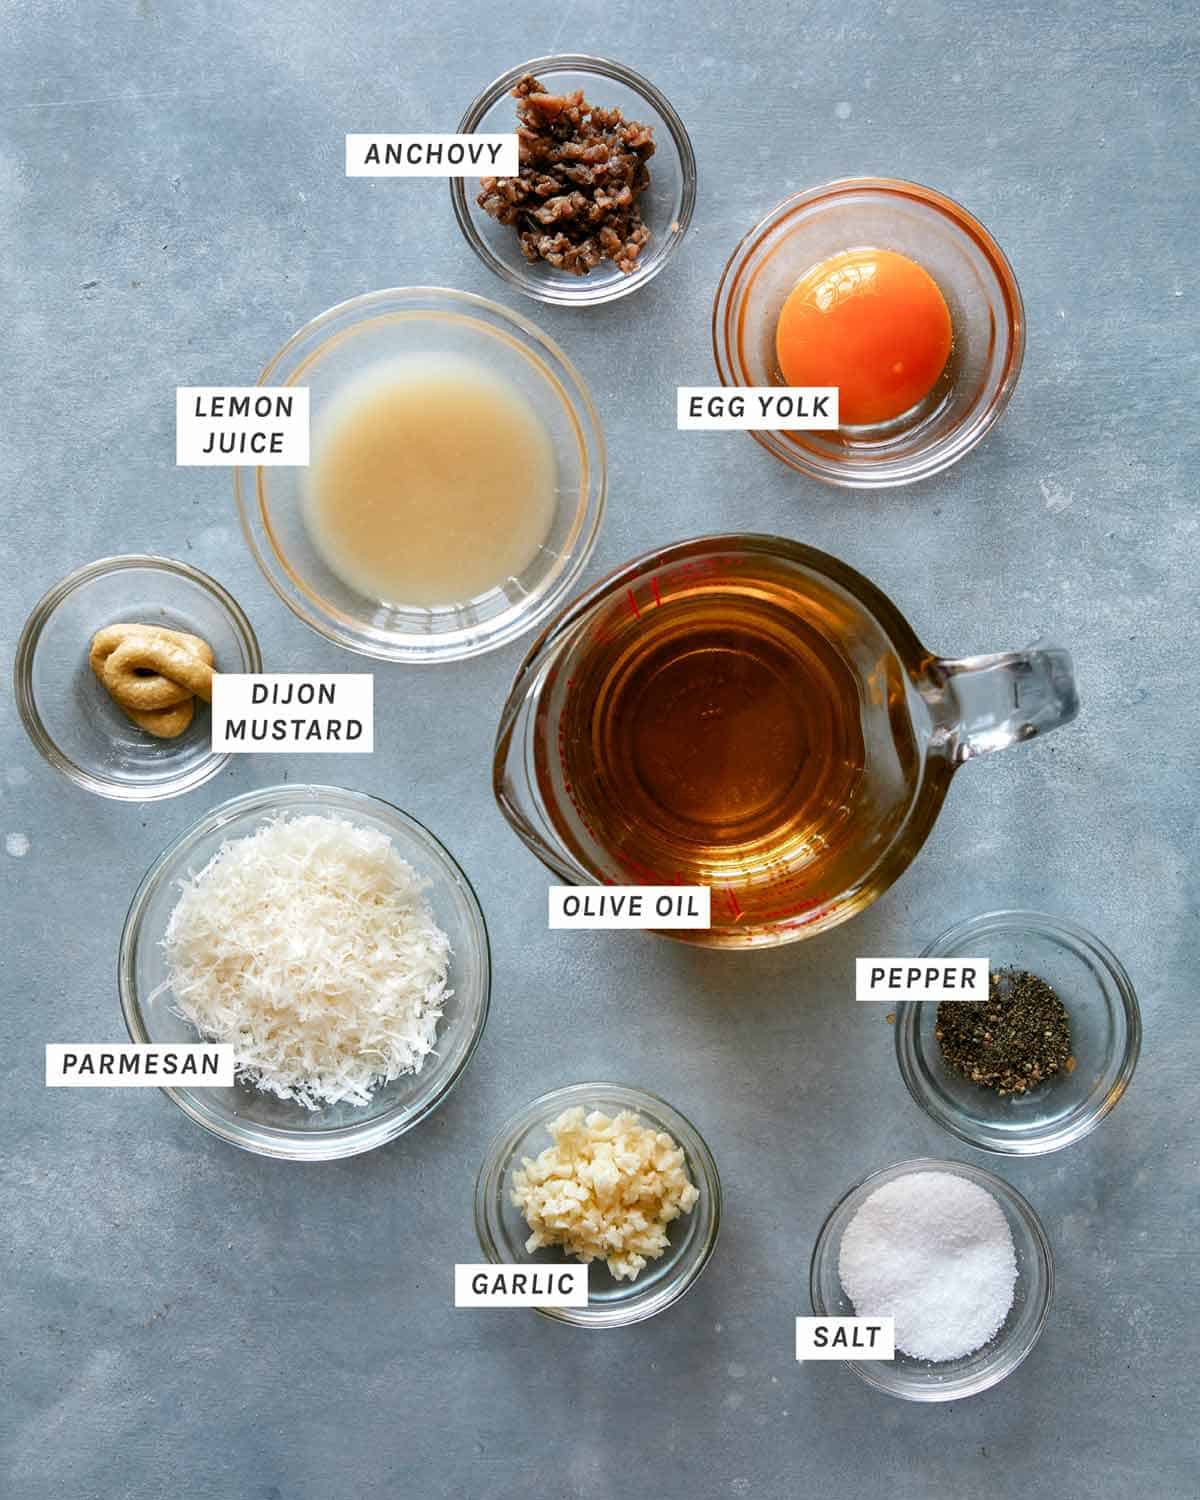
(871, 322)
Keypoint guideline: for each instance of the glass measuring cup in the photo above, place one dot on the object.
(750, 714)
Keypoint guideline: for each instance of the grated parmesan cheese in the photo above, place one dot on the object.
(310, 947)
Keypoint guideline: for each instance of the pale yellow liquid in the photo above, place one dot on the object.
(432, 482)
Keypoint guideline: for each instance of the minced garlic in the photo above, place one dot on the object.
(605, 1190)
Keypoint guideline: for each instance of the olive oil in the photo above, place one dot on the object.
(740, 733)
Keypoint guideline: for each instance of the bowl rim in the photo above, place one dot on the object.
(26, 652)
(659, 1111)
(529, 281)
(964, 222)
(424, 298)
(276, 1141)
(1103, 1100)
(1041, 1283)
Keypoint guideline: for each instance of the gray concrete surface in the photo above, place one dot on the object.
(180, 1318)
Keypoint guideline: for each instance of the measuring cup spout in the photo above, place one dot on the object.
(990, 702)
(514, 782)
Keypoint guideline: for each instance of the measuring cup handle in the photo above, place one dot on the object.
(991, 702)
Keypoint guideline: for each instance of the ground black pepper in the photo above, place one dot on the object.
(1012, 1041)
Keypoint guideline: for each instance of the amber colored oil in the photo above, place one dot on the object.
(746, 735)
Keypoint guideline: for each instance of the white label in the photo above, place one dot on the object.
(520, 1286)
(920, 979)
(756, 408)
(262, 425)
(845, 1338)
(656, 906)
(314, 713)
(477, 155)
(134, 1065)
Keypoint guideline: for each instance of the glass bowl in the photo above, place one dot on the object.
(65, 709)
(335, 349)
(952, 1379)
(1106, 1034)
(503, 1231)
(258, 1121)
(666, 204)
(973, 275)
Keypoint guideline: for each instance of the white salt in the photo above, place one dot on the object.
(934, 1251)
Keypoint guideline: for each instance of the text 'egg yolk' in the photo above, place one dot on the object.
(871, 322)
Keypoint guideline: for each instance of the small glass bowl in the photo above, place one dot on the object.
(503, 1231)
(334, 349)
(952, 1379)
(65, 709)
(974, 277)
(258, 1121)
(1106, 1035)
(666, 204)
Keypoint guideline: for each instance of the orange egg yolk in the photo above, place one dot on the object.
(871, 322)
